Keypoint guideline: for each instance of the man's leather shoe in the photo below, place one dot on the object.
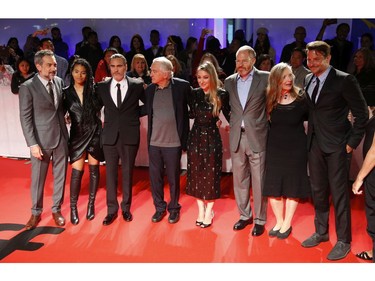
(33, 222)
(257, 230)
(58, 218)
(158, 216)
(340, 251)
(174, 217)
(110, 218)
(127, 216)
(241, 224)
(315, 240)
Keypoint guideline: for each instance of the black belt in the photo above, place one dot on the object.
(242, 130)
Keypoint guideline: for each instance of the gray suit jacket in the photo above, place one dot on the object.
(41, 122)
(254, 113)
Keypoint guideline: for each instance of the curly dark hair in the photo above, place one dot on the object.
(91, 105)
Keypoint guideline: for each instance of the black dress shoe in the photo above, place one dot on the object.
(257, 230)
(340, 251)
(174, 217)
(315, 240)
(284, 235)
(110, 218)
(241, 224)
(158, 216)
(127, 216)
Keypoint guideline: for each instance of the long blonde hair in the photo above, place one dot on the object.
(274, 87)
(213, 97)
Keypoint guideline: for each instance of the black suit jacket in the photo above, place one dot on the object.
(123, 121)
(149, 54)
(180, 91)
(328, 118)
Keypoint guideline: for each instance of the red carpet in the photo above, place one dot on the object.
(142, 241)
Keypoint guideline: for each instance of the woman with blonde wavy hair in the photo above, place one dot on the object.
(286, 177)
(220, 73)
(204, 148)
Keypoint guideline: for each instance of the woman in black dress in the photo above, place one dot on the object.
(286, 158)
(84, 142)
(204, 149)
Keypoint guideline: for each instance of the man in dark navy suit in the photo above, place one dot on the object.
(331, 94)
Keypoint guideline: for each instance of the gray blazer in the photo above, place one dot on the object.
(41, 122)
(254, 113)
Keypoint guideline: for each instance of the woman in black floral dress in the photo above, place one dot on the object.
(204, 151)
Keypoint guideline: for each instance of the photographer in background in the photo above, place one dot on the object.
(341, 48)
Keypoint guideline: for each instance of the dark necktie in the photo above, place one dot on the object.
(315, 91)
(50, 91)
(118, 95)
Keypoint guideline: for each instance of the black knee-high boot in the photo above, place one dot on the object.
(75, 187)
(94, 183)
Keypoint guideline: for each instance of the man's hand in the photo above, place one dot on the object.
(36, 152)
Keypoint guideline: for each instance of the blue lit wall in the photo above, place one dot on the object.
(280, 30)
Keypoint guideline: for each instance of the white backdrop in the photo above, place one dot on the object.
(13, 144)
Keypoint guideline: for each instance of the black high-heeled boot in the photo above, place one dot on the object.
(94, 183)
(75, 187)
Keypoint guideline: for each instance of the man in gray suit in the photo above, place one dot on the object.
(248, 136)
(43, 125)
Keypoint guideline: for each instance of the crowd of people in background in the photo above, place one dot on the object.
(325, 84)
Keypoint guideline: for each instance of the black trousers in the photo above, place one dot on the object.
(112, 154)
(168, 158)
(329, 176)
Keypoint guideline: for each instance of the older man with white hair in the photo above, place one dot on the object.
(168, 128)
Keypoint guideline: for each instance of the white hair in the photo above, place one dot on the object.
(165, 65)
